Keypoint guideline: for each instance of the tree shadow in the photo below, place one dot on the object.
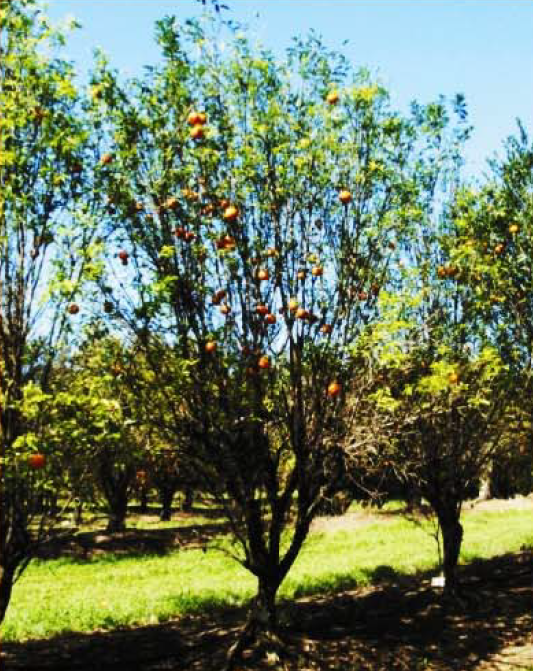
(400, 625)
(87, 545)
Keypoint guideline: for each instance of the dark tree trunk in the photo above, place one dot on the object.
(78, 513)
(261, 630)
(118, 507)
(452, 537)
(188, 500)
(144, 501)
(166, 496)
(6, 586)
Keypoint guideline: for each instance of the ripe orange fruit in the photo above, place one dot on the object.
(225, 309)
(499, 248)
(362, 295)
(123, 256)
(224, 203)
(193, 119)
(73, 308)
(514, 228)
(302, 313)
(230, 213)
(271, 252)
(264, 363)
(202, 118)
(317, 271)
(36, 461)
(326, 329)
(334, 389)
(441, 272)
(229, 242)
(332, 98)
(270, 318)
(211, 347)
(262, 310)
(190, 236)
(453, 378)
(345, 196)
(197, 132)
(106, 159)
(262, 274)
(180, 232)
(293, 305)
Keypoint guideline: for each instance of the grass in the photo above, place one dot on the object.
(110, 591)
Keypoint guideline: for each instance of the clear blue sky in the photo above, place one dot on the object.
(419, 48)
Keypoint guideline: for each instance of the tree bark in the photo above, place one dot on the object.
(6, 585)
(116, 521)
(188, 501)
(166, 496)
(78, 513)
(261, 630)
(144, 501)
(452, 537)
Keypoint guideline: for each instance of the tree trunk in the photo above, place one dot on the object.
(78, 513)
(116, 521)
(452, 537)
(167, 496)
(6, 586)
(189, 498)
(144, 501)
(261, 630)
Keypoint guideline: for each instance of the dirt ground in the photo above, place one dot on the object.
(399, 625)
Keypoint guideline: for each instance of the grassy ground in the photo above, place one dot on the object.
(108, 591)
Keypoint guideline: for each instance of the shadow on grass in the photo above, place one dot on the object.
(400, 624)
(87, 545)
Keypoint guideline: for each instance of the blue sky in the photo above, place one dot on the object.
(419, 48)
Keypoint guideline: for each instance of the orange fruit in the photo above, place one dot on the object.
(197, 132)
(36, 461)
(264, 363)
(334, 389)
(345, 196)
(230, 213)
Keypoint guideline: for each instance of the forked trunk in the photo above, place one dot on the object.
(260, 634)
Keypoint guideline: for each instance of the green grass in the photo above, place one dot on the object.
(110, 591)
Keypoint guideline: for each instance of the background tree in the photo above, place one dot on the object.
(47, 247)
(499, 217)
